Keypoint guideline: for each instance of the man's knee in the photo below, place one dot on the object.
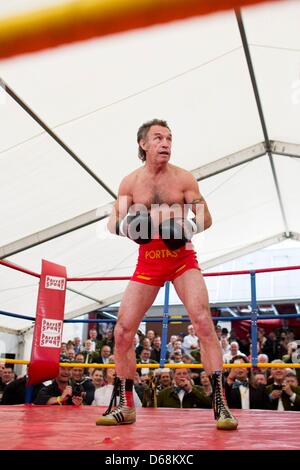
(123, 336)
(203, 324)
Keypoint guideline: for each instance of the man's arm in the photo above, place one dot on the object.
(198, 204)
(121, 205)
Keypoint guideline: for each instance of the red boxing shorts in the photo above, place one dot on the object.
(157, 264)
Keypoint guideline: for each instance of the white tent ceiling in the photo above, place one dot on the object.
(94, 95)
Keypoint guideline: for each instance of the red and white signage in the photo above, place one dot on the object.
(44, 363)
(56, 283)
(51, 333)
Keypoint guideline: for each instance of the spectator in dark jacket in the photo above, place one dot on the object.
(59, 392)
(183, 394)
(241, 392)
(15, 392)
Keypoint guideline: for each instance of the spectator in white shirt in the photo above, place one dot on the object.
(190, 341)
(97, 378)
(103, 395)
(234, 351)
(225, 345)
(170, 345)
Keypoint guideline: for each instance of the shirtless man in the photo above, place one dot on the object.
(153, 207)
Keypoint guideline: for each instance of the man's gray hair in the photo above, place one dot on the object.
(143, 131)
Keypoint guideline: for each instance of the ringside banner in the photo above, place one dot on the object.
(44, 362)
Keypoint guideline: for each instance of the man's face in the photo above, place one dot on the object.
(7, 375)
(190, 330)
(260, 379)
(278, 373)
(157, 144)
(241, 372)
(204, 378)
(64, 374)
(180, 377)
(146, 343)
(71, 354)
(79, 358)
(218, 332)
(292, 380)
(150, 335)
(165, 379)
(93, 334)
(77, 373)
(105, 351)
(145, 355)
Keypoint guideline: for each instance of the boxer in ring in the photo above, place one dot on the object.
(159, 206)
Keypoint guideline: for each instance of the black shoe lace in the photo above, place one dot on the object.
(219, 401)
(117, 391)
(221, 408)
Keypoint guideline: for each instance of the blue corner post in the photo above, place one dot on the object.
(165, 321)
(254, 311)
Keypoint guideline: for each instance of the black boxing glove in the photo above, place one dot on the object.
(176, 232)
(137, 227)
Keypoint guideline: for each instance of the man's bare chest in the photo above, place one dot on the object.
(165, 191)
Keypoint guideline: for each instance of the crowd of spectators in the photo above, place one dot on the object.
(257, 388)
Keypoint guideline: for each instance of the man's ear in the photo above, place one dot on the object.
(143, 144)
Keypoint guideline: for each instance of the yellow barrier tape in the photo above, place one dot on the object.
(246, 365)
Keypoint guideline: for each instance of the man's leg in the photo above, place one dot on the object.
(137, 299)
(191, 289)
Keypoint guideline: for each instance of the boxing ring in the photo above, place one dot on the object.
(69, 428)
(28, 426)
